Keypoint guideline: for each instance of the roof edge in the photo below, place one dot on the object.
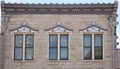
(87, 8)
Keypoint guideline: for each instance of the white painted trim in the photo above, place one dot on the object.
(58, 46)
(103, 45)
(23, 29)
(34, 48)
(58, 29)
(23, 46)
(58, 54)
(69, 46)
(93, 30)
(93, 46)
(93, 59)
(48, 46)
(82, 46)
(13, 35)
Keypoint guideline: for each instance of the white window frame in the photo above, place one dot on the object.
(17, 33)
(93, 58)
(58, 54)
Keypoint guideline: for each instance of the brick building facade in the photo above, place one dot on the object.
(59, 36)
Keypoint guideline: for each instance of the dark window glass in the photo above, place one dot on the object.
(18, 47)
(87, 40)
(53, 40)
(18, 40)
(64, 47)
(53, 46)
(64, 54)
(64, 40)
(87, 43)
(87, 53)
(98, 46)
(29, 40)
(53, 54)
(29, 47)
(98, 40)
(18, 54)
(29, 53)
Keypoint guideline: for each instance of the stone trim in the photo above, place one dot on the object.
(58, 25)
(14, 8)
(94, 27)
(24, 25)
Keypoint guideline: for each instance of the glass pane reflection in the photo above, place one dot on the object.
(87, 40)
(98, 40)
(87, 53)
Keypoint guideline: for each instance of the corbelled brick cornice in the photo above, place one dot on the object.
(14, 8)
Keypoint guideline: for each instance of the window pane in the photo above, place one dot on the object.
(98, 52)
(53, 54)
(63, 40)
(18, 53)
(87, 40)
(63, 53)
(98, 40)
(53, 40)
(29, 41)
(87, 53)
(29, 54)
(18, 40)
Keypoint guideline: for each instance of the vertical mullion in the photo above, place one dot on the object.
(24, 36)
(93, 56)
(58, 47)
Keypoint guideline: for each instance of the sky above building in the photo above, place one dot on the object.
(71, 2)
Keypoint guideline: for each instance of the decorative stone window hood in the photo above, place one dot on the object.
(93, 28)
(24, 28)
(59, 27)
